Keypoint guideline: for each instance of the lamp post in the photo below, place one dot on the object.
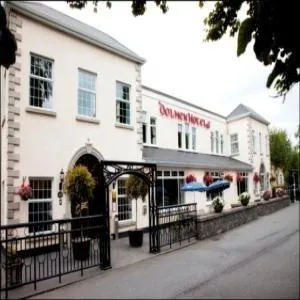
(60, 192)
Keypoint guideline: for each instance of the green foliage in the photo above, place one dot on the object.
(8, 44)
(245, 35)
(13, 257)
(136, 187)
(217, 204)
(280, 149)
(79, 185)
(273, 26)
(138, 7)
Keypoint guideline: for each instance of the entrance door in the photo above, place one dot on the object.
(93, 165)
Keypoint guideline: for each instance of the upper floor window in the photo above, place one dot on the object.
(234, 143)
(194, 138)
(217, 141)
(212, 142)
(179, 136)
(267, 145)
(153, 130)
(41, 81)
(86, 94)
(222, 143)
(123, 103)
(187, 136)
(260, 146)
(145, 127)
(253, 141)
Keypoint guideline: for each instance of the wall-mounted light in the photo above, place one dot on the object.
(60, 189)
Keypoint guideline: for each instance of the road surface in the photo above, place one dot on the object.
(254, 261)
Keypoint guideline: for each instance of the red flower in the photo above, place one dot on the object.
(24, 191)
(239, 178)
(256, 178)
(207, 179)
(190, 178)
(228, 177)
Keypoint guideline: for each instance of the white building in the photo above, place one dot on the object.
(75, 95)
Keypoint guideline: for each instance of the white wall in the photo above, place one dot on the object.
(49, 143)
(167, 127)
(3, 136)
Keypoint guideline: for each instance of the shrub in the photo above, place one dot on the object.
(267, 195)
(244, 198)
(279, 192)
(79, 185)
(217, 204)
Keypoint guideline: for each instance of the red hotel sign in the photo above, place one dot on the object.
(186, 117)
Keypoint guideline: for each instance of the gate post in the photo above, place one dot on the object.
(104, 237)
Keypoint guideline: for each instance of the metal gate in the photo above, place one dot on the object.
(176, 223)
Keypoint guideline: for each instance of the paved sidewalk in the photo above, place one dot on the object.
(121, 255)
(171, 275)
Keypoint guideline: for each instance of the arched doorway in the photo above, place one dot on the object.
(93, 165)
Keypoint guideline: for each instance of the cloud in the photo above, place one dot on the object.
(208, 74)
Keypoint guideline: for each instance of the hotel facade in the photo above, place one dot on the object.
(75, 96)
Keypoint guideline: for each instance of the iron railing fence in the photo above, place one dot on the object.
(176, 223)
(30, 255)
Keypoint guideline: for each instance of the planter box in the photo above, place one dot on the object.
(213, 224)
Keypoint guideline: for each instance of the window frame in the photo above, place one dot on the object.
(217, 141)
(233, 143)
(119, 100)
(30, 200)
(222, 143)
(153, 127)
(166, 174)
(123, 196)
(179, 135)
(194, 138)
(85, 90)
(212, 142)
(50, 80)
(144, 127)
(187, 135)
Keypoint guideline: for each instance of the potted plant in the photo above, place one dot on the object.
(190, 178)
(228, 177)
(244, 198)
(279, 192)
(79, 185)
(266, 195)
(135, 188)
(207, 179)
(24, 191)
(14, 266)
(272, 179)
(218, 204)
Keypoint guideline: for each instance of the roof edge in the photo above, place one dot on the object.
(48, 21)
(181, 101)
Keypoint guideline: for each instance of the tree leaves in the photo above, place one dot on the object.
(277, 70)
(244, 36)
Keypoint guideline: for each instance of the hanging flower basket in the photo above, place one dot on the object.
(272, 179)
(24, 191)
(228, 177)
(256, 178)
(239, 178)
(190, 178)
(207, 179)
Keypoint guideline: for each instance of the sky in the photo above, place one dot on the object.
(180, 63)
